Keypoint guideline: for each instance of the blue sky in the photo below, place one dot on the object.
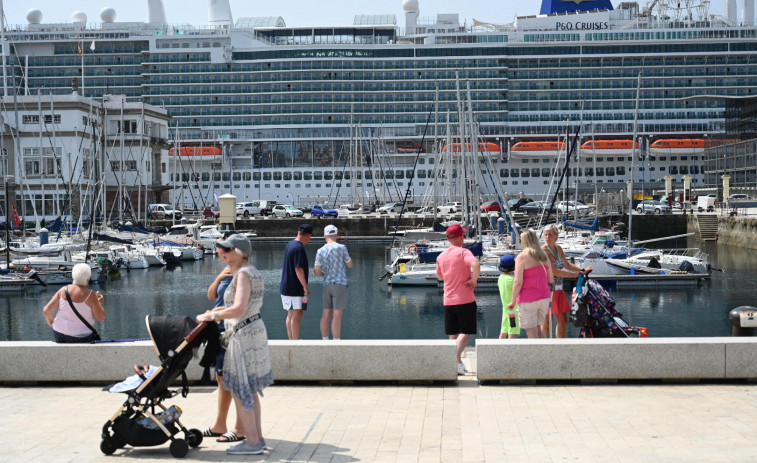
(294, 12)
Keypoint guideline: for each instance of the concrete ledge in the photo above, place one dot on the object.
(371, 360)
(30, 361)
(381, 360)
(616, 359)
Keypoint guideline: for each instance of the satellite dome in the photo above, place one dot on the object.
(34, 16)
(108, 15)
(410, 6)
(78, 17)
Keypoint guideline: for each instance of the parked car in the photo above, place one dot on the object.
(211, 213)
(650, 205)
(266, 206)
(491, 206)
(452, 207)
(319, 211)
(163, 211)
(739, 197)
(515, 203)
(391, 207)
(286, 210)
(569, 208)
(249, 208)
(347, 209)
(536, 208)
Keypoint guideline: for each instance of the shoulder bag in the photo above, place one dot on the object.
(96, 335)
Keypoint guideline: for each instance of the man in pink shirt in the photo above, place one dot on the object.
(458, 268)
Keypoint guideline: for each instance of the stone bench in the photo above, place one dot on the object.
(346, 360)
(524, 360)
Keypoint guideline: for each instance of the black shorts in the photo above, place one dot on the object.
(460, 319)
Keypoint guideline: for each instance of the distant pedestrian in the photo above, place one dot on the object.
(510, 317)
(459, 269)
(331, 262)
(294, 280)
(561, 267)
(533, 278)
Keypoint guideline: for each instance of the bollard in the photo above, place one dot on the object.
(744, 320)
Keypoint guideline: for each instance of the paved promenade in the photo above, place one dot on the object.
(463, 422)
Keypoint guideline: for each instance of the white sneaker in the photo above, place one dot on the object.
(461, 370)
(245, 448)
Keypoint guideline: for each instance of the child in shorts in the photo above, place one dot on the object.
(510, 318)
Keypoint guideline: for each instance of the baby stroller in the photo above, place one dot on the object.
(143, 420)
(594, 312)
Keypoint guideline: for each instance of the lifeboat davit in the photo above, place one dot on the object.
(482, 147)
(196, 151)
(537, 148)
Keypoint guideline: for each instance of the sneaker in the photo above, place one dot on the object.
(245, 448)
(461, 370)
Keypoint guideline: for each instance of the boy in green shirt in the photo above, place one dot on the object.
(510, 318)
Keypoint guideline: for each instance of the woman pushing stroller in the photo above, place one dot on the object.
(561, 268)
(247, 365)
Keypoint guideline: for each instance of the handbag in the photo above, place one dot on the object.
(226, 336)
(95, 334)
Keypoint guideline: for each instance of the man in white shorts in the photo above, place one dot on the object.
(294, 280)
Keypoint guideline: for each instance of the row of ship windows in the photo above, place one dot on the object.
(542, 85)
(650, 35)
(288, 186)
(420, 174)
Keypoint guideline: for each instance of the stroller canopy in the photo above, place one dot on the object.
(168, 332)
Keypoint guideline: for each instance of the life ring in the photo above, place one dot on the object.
(412, 249)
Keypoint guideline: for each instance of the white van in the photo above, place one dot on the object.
(706, 203)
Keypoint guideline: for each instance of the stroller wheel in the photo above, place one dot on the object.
(179, 448)
(108, 446)
(194, 437)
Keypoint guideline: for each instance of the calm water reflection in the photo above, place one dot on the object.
(375, 312)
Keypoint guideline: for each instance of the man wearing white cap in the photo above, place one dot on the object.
(331, 262)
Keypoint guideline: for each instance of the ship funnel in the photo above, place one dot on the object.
(219, 13)
(747, 12)
(155, 12)
(412, 10)
(730, 11)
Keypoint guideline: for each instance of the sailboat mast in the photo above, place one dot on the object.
(633, 165)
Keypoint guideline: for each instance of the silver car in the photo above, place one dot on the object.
(286, 210)
(650, 205)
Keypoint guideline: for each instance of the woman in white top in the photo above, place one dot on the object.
(67, 327)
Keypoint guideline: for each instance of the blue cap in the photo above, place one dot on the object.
(507, 261)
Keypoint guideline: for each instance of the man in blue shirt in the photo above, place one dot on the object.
(331, 262)
(294, 280)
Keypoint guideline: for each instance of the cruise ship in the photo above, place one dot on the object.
(367, 113)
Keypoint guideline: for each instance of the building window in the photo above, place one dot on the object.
(131, 165)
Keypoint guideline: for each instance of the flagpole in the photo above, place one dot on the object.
(81, 52)
(2, 39)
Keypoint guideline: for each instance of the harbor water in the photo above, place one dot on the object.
(375, 311)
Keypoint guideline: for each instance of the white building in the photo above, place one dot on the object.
(58, 151)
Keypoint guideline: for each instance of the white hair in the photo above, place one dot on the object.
(81, 273)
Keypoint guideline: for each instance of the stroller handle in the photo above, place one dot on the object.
(195, 332)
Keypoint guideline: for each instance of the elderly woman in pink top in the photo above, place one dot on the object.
(531, 290)
(67, 326)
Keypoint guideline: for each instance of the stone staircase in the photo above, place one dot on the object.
(708, 227)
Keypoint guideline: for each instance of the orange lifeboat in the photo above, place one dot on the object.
(679, 143)
(196, 151)
(537, 148)
(609, 145)
(482, 147)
